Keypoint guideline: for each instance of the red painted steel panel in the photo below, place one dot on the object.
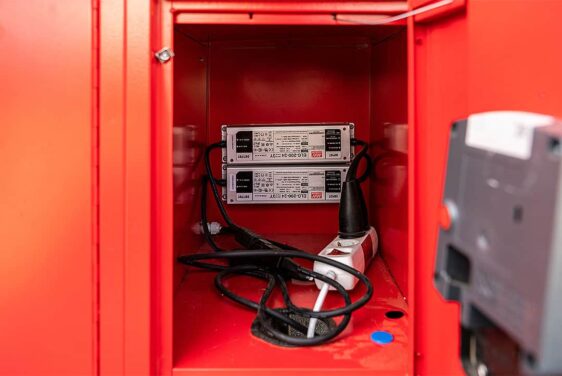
(411, 195)
(514, 57)
(500, 56)
(47, 194)
(162, 254)
(292, 7)
(276, 81)
(190, 132)
(440, 95)
(236, 32)
(111, 189)
(128, 271)
(389, 187)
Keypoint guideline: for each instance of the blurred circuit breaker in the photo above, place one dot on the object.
(500, 243)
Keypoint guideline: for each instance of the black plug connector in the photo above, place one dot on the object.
(353, 215)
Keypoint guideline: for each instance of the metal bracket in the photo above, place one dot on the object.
(164, 55)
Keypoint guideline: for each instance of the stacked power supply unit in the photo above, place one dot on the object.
(286, 163)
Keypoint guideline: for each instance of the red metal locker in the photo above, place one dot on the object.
(89, 256)
(444, 69)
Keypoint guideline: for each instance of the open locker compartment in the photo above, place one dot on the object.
(242, 74)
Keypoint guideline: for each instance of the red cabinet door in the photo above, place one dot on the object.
(493, 55)
(47, 220)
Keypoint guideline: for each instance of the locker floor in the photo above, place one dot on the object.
(212, 334)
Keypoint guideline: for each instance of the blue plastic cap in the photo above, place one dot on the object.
(382, 337)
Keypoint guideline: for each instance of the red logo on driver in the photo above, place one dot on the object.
(316, 154)
(315, 195)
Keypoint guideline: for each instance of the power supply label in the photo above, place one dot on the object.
(244, 142)
(284, 185)
(333, 180)
(286, 144)
(333, 143)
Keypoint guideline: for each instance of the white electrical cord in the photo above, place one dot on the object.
(391, 19)
(318, 305)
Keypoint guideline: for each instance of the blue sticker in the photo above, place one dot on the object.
(382, 337)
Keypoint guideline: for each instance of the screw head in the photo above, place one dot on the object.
(224, 158)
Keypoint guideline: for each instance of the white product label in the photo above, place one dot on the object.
(505, 132)
(291, 145)
(280, 145)
(316, 185)
(333, 196)
(244, 196)
(333, 155)
(281, 185)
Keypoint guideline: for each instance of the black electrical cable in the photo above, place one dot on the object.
(352, 172)
(189, 260)
(231, 226)
(194, 260)
(213, 182)
(368, 168)
(276, 272)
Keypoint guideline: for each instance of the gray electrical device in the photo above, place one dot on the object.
(288, 143)
(501, 254)
(283, 184)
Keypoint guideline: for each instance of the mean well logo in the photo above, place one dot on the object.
(316, 195)
(316, 154)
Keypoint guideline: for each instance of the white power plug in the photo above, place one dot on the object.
(356, 252)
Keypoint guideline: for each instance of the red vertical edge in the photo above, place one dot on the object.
(137, 188)
(440, 79)
(95, 187)
(162, 190)
(111, 186)
(389, 102)
(411, 196)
